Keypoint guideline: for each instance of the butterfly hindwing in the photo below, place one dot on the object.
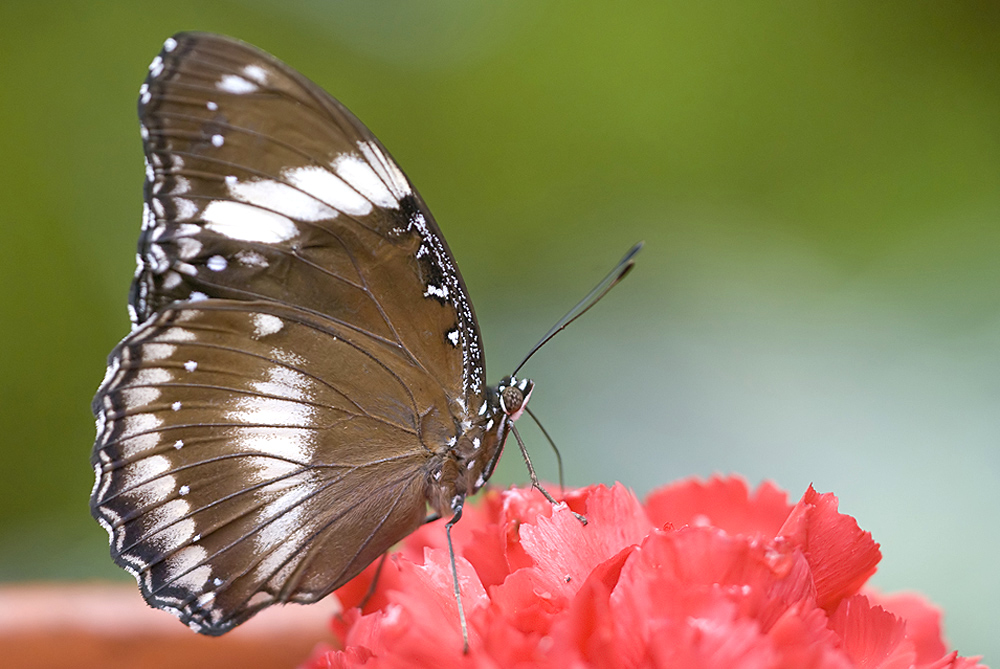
(232, 453)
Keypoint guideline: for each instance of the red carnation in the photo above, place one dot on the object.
(705, 574)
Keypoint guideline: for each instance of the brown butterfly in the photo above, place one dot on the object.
(305, 373)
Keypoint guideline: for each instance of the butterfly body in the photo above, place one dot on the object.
(305, 373)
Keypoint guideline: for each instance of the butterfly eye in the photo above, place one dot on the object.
(511, 398)
(514, 396)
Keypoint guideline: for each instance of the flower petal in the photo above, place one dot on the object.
(841, 554)
(420, 624)
(722, 502)
(871, 636)
(744, 581)
(616, 520)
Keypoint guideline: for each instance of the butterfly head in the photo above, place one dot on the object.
(514, 395)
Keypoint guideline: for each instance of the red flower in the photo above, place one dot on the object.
(705, 574)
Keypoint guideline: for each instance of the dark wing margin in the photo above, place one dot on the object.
(231, 475)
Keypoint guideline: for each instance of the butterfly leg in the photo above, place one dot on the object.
(378, 570)
(374, 584)
(534, 477)
(454, 579)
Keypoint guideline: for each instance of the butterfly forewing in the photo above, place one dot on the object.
(303, 351)
(262, 186)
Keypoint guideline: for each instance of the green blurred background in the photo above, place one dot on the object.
(817, 184)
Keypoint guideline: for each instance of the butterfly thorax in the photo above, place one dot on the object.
(465, 468)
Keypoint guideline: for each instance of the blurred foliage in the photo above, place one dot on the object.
(817, 184)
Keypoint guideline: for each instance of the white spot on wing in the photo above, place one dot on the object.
(363, 178)
(251, 259)
(174, 529)
(112, 371)
(181, 186)
(280, 538)
(133, 397)
(139, 445)
(217, 263)
(441, 292)
(156, 351)
(232, 83)
(147, 470)
(266, 324)
(289, 444)
(181, 334)
(244, 222)
(282, 401)
(183, 570)
(329, 189)
(190, 270)
(171, 280)
(151, 376)
(156, 67)
(188, 247)
(148, 220)
(387, 169)
(170, 44)
(286, 383)
(281, 198)
(156, 259)
(256, 72)
(218, 140)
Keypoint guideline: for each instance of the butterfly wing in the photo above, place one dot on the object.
(303, 345)
(262, 186)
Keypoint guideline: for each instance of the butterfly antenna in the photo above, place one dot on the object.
(555, 448)
(593, 297)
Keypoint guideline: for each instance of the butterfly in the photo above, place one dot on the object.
(305, 373)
